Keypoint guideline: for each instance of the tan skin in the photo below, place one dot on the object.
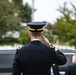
(35, 37)
(73, 59)
(40, 37)
(46, 41)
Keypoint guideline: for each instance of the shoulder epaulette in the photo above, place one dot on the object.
(19, 48)
(52, 46)
(56, 49)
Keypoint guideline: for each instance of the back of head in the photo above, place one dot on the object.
(36, 34)
(36, 28)
(74, 58)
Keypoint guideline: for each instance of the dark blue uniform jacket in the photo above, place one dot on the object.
(36, 59)
(71, 70)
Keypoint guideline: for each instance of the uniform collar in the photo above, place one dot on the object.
(35, 40)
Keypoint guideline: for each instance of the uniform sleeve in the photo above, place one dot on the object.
(58, 57)
(61, 59)
(16, 65)
(67, 72)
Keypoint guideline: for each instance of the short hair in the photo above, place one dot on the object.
(36, 33)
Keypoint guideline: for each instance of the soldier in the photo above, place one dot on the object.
(71, 69)
(36, 57)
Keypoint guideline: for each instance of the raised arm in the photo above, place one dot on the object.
(59, 57)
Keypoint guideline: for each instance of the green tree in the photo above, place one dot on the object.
(24, 38)
(48, 31)
(8, 20)
(10, 16)
(25, 13)
(66, 25)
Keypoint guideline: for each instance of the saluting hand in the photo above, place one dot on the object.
(46, 41)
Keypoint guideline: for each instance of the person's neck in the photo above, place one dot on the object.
(33, 39)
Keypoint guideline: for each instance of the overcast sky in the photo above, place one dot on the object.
(47, 9)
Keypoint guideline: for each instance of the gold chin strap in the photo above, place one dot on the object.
(32, 29)
(19, 48)
(39, 29)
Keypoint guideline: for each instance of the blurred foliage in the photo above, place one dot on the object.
(66, 25)
(11, 15)
(49, 35)
(24, 38)
(48, 32)
(25, 13)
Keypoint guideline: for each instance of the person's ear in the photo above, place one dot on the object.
(42, 34)
(29, 35)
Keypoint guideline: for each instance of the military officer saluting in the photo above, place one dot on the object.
(36, 57)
